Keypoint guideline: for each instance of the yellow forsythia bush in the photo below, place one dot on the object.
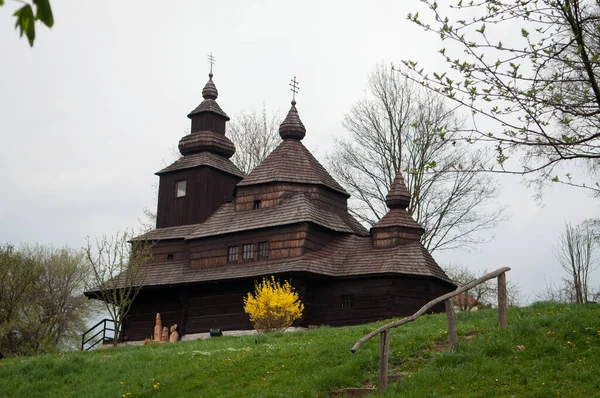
(273, 306)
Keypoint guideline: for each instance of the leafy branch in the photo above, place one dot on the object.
(26, 17)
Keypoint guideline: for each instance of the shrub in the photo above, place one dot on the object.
(274, 306)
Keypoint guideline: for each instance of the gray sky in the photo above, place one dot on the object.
(91, 112)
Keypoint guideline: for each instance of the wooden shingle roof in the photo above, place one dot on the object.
(350, 255)
(179, 232)
(203, 159)
(206, 141)
(397, 218)
(292, 162)
(208, 105)
(296, 209)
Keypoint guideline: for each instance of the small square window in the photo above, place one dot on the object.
(248, 251)
(180, 187)
(346, 301)
(257, 204)
(232, 254)
(263, 250)
(170, 256)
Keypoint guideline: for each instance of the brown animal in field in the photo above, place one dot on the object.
(174, 334)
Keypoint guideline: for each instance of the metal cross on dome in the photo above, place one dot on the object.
(211, 61)
(294, 88)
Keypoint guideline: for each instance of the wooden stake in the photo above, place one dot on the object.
(384, 350)
(452, 334)
(502, 301)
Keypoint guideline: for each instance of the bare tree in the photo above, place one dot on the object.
(255, 135)
(527, 72)
(595, 295)
(562, 292)
(575, 253)
(399, 126)
(482, 295)
(119, 270)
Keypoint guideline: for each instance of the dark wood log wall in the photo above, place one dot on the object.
(206, 190)
(272, 194)
(284, 242)
(142, 314)
(178, 249)
(194, 309)
(202, 307)
(373, 298)
(208, 121)
(393, 236)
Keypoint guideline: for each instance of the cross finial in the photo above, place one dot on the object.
(294, 88)
(211, 61)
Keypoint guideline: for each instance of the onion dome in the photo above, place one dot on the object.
(210, 94)
(210, 90)
(398, 197)
(292, 126)
(397, 226)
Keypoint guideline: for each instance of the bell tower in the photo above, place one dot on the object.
(204, 178)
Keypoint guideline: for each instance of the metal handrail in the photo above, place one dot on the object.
(102, 331)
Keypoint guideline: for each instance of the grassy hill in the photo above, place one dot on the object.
(561, 357)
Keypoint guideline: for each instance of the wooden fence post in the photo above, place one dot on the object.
(452, 334)
(502, 301)
(384, 350)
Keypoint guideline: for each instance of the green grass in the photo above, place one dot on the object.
(561, 358)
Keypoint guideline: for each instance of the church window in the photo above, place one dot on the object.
(263, 250)
(346, 301)
(232, 254)
(248, 251)
(180, 187)
(257, 204)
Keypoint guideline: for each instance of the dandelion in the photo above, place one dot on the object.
(120, 382)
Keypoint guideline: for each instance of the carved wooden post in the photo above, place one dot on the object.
(384, 350)
(452, 334)
(502, 302)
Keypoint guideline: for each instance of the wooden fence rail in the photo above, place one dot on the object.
(384, 331)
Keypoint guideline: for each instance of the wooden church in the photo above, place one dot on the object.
(219, 230)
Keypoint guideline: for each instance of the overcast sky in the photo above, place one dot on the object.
(93, 110)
